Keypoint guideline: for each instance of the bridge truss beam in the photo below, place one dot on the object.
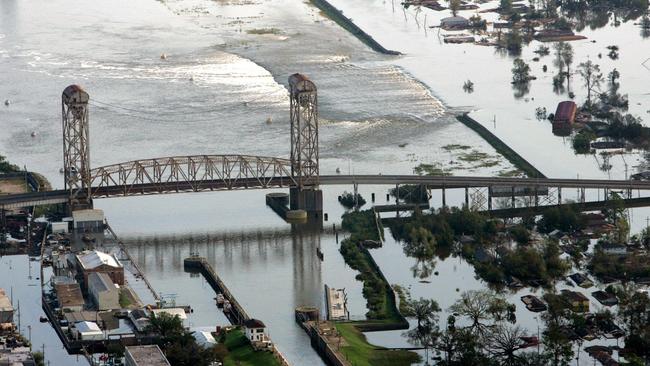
(191, 174)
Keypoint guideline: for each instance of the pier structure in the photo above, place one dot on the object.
(236, 315)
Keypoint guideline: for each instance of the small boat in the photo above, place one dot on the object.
(43, 319)
(33, 134)
(220, 300)
(403, 144)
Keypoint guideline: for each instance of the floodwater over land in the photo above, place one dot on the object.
(222, 78)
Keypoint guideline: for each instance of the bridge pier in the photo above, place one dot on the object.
(310, 200)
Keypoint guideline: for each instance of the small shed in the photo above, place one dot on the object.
(88, 331)
(454, 23)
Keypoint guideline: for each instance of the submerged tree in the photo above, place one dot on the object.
(591, 76)
(520, 71)
(481, 307)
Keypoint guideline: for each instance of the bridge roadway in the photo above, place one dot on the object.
(433, 182)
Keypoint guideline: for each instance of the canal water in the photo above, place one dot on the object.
(222, 78)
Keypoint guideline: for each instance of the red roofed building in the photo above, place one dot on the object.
(565, 115)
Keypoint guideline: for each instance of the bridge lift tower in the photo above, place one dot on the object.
(304, 146)
(76, 147)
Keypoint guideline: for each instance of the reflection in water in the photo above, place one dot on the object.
(270, 272)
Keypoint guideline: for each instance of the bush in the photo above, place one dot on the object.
(348, 200)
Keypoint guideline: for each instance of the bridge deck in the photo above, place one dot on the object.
(60, 196)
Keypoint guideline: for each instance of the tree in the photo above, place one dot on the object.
(513, 41)
(454, 6)
(557, 346)
(480, 306)
(421, 244)
(426, 333)
(503, 342)
(563, 57)
(505, 6)
(520, 72)
(591, 75)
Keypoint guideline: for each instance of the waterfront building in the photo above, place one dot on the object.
(6, 309)
(69, 296)
(145, 356)
(88, 331)
(140, 319)
(255, 330)
(103, 291)
(89, 221)
(100, 262)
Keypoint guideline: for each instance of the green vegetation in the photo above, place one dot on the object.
(565, 218)
(432, 170)
(178, 344)
(124, 298)
(263, 31)
(359, 352)
(351, 200)
(520, 72)
(517, 160)
(7, 167)
(411, 193)
(240, 353)
(582, 141)
(382, 308)
(453, 147)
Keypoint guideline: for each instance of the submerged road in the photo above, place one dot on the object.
(437, 182)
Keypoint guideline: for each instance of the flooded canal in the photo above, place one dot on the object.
(219, 84)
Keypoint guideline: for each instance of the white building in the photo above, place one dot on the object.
(255, 330)
(88, 220)
(88, 331)
(105, 294)
(140, 319)
(204, 338)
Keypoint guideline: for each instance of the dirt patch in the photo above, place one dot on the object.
(13, 186)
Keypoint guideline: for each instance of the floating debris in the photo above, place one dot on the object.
(269, 121)
(7, 102)
(163, 56)
(33, 134)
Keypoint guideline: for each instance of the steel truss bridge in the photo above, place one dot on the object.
(197, 173)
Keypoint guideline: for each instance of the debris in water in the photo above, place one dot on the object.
(7, 102)
(33, 133)
(269, 121)
(163, 56)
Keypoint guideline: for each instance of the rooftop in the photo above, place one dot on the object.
(87, 215)
(5, 303)
(100, 281)
(95, 258)
(69, 295)
(254, 323)
(147, 355)
(87, 327)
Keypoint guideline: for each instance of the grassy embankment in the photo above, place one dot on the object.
(503, 149)
(240, 352)
(360, 353)
(383, 313)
